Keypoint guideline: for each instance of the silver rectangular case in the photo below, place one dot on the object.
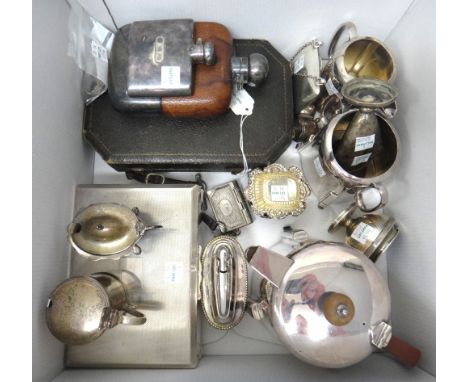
(167, 269)
(229, 206)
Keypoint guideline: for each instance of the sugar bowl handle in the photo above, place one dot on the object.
(348, 27)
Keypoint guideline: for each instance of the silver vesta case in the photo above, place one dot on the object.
(229, 206)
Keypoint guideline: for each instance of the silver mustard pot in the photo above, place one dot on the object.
(107, 231)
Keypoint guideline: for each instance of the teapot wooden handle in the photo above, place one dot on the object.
(403, 351)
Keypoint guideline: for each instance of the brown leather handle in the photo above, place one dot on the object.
(403, 351)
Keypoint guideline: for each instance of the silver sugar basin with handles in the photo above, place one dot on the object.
(328, 304)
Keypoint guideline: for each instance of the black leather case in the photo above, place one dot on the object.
(154, 143)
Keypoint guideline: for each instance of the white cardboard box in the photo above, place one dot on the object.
(61, 160)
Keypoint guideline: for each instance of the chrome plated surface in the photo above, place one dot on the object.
(80, 309)
(106, 230)
(224, 282)
(252, 70)
(320, 275)
(167, 270)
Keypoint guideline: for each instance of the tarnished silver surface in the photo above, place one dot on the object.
(167, 270)
(153, 59)
(224, 282)
(80, 309)
(229, 206)
(371, 234)
(159, 62)
(328, 300)
(107, 231)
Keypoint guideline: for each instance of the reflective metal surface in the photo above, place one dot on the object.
(379, 165)
(277, 191)
(167, 270)
(252, 70)
(306, 65)
(107, 230)
(372, 198)
(369, 93)
(80, 309)
(371, 234)
(327, 303)
(223, 282)
(360, 57)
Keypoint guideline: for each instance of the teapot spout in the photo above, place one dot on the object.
(270, 265)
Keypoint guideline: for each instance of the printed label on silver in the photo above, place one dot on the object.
(173, 271)
(364, 233)
(364, 143)
(361, 159)
(279, 193)
(170, 76)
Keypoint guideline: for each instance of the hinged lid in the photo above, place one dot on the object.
(223, 282)
(76, 310)
(105, 229)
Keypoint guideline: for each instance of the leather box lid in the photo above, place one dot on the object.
(154, 142)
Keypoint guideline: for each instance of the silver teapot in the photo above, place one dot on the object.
(328, 304)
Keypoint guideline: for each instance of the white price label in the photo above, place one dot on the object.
(98, 51)
(364, 233)
(361, 159)
(279, 193)
(298, 63)
(173, 271)
(364, 143)
(170, 76)
(319, 168)
(331, 89)
(241, 102)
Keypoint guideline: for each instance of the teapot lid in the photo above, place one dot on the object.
(327, 304)
(104, 229)
(75, 310)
